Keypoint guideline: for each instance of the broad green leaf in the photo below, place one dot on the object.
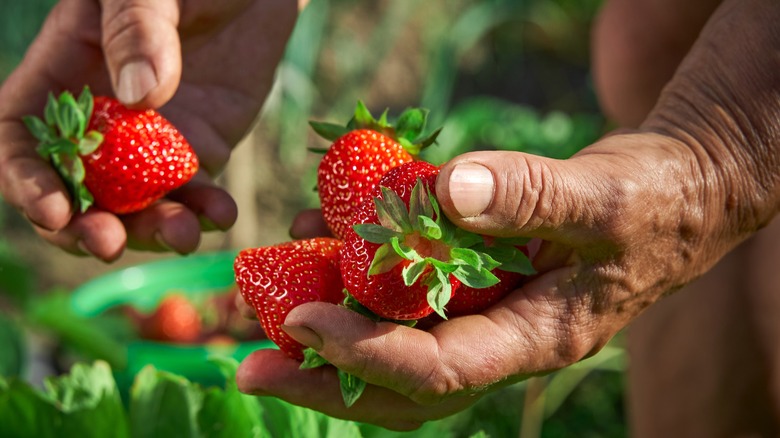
(164, 405)
(229, 413)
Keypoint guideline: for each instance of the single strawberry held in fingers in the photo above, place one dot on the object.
(404, 260)
(275, 279)
(360, 154)
(119, 159)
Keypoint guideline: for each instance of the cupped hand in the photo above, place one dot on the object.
(614, 242)
(209, 65)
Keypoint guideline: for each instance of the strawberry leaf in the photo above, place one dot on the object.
(375, 233)
(429, 228)
(384, 260)
(38, 128)
(404, 251)
(412, 272)
(86, 103)
(352, 387)
(90, 142)
(411, 123)
(394, 211)
(477, 278)
(362, 117)
(419, 201)
(476, 259)
(51, 110)
(428, 140)
(329, 131)
(439, 292)
(312, 359)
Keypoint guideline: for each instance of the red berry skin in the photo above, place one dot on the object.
(142, 157)
(386, 294)
(349, 171)
(175, 320)
(273, 280)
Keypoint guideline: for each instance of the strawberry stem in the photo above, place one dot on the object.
(63, 140)
(435, 247)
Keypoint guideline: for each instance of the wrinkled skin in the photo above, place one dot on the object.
(212, 65)
(628, 220)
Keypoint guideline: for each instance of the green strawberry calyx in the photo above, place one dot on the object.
(352, 387)
(435, 247)
(408, 130)
(63, 140)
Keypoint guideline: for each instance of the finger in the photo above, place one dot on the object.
(142, 48)
(95, 233)
(542, 327)
(244, 309)
(163, 226)
(270, 372)
(309, 223)
(213, 206)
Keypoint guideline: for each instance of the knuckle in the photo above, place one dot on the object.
(438, 385)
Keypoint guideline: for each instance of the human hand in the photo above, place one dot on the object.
(629, 219)
(208, 65)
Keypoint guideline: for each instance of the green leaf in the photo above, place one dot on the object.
(86, 103)
(375, 233)
(37, 128)
(439, 292)
(419, 202)
(411, 273)
(363, 117)
(164, 405)
(77, 170)
(384, 260)
(352, 387)
(51, 110)
(84, 198)
(411, 123)
(393, 214)
(404, 251)
(70, 119)
(477, 278)
(90, 142)
(429, 228)
(312, 359)
(429, 139)
(56, 147)
(476, 259)
(229, 413)
(329, 131)
(12, 345)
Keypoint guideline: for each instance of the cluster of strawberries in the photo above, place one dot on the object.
(393, 255)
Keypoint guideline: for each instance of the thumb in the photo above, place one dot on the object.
(504, 193)
(142, 49)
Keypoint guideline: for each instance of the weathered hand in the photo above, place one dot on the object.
(629, 219)
(209, 65)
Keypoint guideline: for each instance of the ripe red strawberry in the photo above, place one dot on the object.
(118, 159)
(360, 154)
(275, 279)
(404, 260)
(176, 319)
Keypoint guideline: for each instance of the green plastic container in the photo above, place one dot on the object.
(143, 286)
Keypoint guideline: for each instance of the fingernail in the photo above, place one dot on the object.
(136, 80)
(471, 188)
(304, 335)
